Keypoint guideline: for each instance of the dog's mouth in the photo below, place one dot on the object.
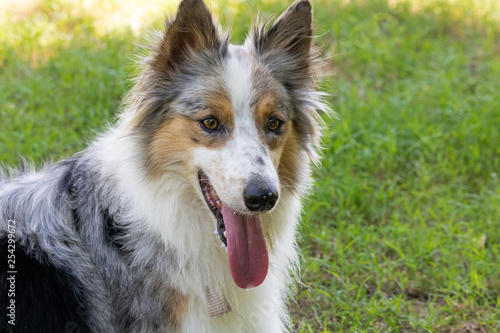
(244, 238)
(214, 203)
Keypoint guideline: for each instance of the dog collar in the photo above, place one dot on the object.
(217, 304)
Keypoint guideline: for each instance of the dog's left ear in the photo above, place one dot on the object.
(291, 32)
(191, 32)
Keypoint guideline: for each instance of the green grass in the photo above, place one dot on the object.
(402, 232)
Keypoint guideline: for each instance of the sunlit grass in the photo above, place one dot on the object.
(402, 233)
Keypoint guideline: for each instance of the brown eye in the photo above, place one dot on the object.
(273, 124)
(210, 123)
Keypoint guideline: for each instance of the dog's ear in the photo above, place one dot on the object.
(192, 31)
(291, 32)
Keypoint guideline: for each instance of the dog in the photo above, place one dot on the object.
(182, 216)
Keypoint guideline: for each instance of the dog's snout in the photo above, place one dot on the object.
(259, 197)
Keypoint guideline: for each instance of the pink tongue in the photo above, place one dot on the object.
(246, 247)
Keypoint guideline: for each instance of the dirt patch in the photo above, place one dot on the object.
(469, 327)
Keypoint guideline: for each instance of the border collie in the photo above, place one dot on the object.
(182, 216)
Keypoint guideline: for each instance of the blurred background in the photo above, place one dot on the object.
(402, 231)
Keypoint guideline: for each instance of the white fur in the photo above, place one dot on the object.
(172, 209)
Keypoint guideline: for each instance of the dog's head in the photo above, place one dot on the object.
(238, 122)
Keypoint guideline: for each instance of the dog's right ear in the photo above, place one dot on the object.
(192, 31)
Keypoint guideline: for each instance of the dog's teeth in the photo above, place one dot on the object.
(218, 204)
(224, 234)
(213, 194)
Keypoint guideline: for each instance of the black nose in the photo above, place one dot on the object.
(260, 198)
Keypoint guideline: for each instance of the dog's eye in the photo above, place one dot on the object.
(210, 123)
(273, 124)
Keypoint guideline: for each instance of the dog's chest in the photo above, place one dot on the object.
(251, 318)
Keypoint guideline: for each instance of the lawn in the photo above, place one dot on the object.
(402, 230)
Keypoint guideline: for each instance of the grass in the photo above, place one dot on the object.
(402, 232)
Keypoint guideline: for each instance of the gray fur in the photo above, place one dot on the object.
(124, 296)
